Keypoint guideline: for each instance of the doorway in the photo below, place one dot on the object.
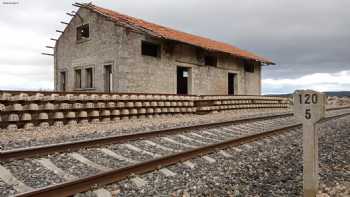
(182, 80)
(108, 78)
(62, 81)
(231, 83)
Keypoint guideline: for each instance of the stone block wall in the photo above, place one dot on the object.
(113, 44)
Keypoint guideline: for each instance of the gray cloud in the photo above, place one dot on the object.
(302, 37)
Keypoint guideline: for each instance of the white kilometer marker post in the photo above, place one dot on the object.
(309, 108)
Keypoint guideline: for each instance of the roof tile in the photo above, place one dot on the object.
(172, 34)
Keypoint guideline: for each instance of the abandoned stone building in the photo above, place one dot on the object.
(102, 50)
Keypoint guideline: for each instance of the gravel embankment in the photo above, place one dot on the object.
(102, 159)
(72, 166)
(31, 173)
(6, 189)
(268, 168)
(41, 136)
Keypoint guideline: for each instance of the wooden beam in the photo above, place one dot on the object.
(64, 23)
(76, 4)
(59, 31)
(69, 14)
(50, 47)
(75, 13)
(47, 54)
(53, 39)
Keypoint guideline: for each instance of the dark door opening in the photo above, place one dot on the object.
(63, 81)
(182, 80)
(108, 78)
(231, 83)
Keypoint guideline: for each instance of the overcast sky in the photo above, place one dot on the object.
(309, 40)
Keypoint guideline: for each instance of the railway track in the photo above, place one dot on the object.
(76, 167)
(47, 149)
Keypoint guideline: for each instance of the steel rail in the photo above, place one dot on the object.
(70, 146)
(83, 184)
(338, 108)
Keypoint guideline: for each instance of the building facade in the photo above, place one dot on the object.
(101, 50)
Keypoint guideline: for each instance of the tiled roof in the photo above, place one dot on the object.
(172, 34)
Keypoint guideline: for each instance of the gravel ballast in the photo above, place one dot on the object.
(32, 173)
(72, 166)
(273, 168)
(6, 190)
(102, 159)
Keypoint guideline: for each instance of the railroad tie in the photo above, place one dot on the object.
(209, 159)
(289, 134)
(282, 136)
(224, 132)
(211, 134)
(160, 146)
(261, 124)
(47, 163)
(235, 132)
(191, 139)
(225, 154)
(9, 179)
(237, 149)
(137, 149)
(208, 138)
(167, 172)
(258, 143)
(116, 156)
(178, 143)
(230, 132)
(88, 162)
(138, 182)
(227, 129)
(102, 193)
(245, 129)
(274, 138)
(248, 146)
(189, 164)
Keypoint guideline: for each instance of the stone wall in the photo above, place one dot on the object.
(113, 44)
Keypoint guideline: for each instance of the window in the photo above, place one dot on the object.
(83, 32)
(108, 78)
(150, 49)
(89, 78)
(210, 60)
(77, 78)
(248, 66)
(62, 85)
